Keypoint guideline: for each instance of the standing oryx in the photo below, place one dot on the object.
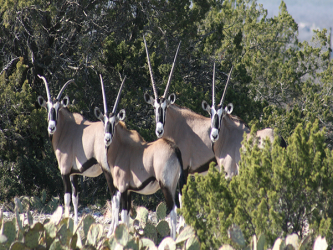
(189, 130)
(138, 166)
(77, 144)
(227, 132)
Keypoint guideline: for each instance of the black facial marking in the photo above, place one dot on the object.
(53, 116)
(216, 121)
(160, 115)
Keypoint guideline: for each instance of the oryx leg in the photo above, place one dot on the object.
(112, 191)
(67, 196)
(115, 202)
(125, 200)
(75, 196)
(170, 203)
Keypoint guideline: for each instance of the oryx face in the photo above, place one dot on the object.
(216, 114)
(52, 111)
(109, 124)
(160, 108)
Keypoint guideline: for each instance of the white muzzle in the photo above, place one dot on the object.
(159, 130)
(52, 127)
(107, 139)
(214, 135)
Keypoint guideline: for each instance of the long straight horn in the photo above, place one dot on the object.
(171, 72)
(47, 87)
(118, 97)
(103, 94)
(150, 70)
(226, 85)
(213, 87)
(63, 88)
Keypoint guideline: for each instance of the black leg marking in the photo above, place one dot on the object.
(129, 202)
(109, 180)
(168, 198)
(74, 180)
(123, 201)
(67, 183)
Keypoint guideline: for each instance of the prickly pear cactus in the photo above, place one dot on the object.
(56, 245)
(87, 221)
(64, 235)
(36, 203)
(185, 234)
(121, 234)
(50, 232)
(32, 235)
(8, 229)
(150, 232)
(142, 215)
(94, 234)
(51, 205)
(25, 201)
(18, 205)
(236, 235)
(163, 228)
(192, 243)
(292, 240)
(167, 243)
(161, 211)
(17, 245)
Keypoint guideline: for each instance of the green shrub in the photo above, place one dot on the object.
(277, 192)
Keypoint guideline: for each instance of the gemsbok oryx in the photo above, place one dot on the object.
(138, 166)
(189, 130)
(227, 132)
(78, 145)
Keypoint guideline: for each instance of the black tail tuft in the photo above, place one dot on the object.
(182, 177)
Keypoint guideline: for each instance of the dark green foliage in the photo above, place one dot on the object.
(277, 192)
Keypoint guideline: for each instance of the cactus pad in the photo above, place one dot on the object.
(163, 228)
(87, 221)
(142, 215)
(167, 243)
(236, 235)
(161, 211)
(121, 234)
(192, 243)
(185, 234)
(31, 237)
(150, 232)
(94, 234)
(9, 230)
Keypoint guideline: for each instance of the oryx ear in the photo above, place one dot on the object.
(121, 115)
(65, 101)
(41, 101)
(99, 114)
(172, 98)
(229, 108)
(148, 99)
(205, 106)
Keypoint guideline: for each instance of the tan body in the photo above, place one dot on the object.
(156, 159)
(138, 166)
(72, 153)
(227, 147)
(190, 131)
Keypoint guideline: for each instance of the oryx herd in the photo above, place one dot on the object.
(187, 142)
